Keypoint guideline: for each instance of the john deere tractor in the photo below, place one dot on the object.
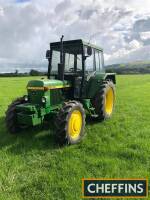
(76, 86)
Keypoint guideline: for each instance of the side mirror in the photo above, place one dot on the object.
(48, 54)
(89, 51)
(85, 57)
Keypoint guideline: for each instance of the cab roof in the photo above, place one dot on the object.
(78, 42)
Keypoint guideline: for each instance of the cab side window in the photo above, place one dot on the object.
(98, 60)
(90, 61)
(69, 61)
(101, 60)
(79, 62)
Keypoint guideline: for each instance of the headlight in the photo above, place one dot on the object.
(26, 98)
(43, 100)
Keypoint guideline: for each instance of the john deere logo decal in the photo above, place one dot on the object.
(119, 188)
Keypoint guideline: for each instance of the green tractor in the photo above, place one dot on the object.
(76, 86)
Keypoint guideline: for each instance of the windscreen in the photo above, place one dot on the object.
(72, 57)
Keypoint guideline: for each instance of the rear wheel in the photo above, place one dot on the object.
(104, 100)
(11, 116)
(70, 123)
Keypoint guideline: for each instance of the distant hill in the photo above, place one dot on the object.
(139, 67)
(32, 72)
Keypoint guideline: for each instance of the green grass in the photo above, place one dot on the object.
(33, 167)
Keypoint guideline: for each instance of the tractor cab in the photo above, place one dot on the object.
(75, 61)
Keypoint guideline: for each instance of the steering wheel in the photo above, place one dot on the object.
(72, 69)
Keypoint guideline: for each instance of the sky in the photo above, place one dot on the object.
(120, 27)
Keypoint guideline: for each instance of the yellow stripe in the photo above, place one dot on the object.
(49, 87)
(58, 87)
(35, 88)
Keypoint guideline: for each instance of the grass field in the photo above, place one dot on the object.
(33, 167)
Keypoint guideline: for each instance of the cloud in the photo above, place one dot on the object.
(134, 45)
(126, 53)
(124, 56)
(145, 35)
(27, 27)
(22, 1)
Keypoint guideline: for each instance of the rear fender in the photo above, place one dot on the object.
(110, 76)
(95, 82)
(93, 85)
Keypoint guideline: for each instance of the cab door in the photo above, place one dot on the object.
(89, 69)
(78, 77)
(94, 72)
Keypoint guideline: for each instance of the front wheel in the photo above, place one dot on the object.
(104, 100)
(11, 116)
(70, 123)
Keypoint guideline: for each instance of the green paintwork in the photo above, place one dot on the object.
(33, 113)
(36, 95)
(93, 85)
(46, 82)
(56, 91)
(27, 107)
(29, 119)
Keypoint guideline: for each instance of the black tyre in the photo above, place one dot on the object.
(11, 117)
(104, 100)
(70, 123)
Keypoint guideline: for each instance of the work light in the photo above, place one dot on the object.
(43, 100)
(26, 98)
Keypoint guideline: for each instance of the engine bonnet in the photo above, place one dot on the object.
(47, 84)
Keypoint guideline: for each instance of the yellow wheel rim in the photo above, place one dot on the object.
(109, 101)
(75, 124)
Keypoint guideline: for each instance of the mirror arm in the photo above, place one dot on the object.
(85, 57)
